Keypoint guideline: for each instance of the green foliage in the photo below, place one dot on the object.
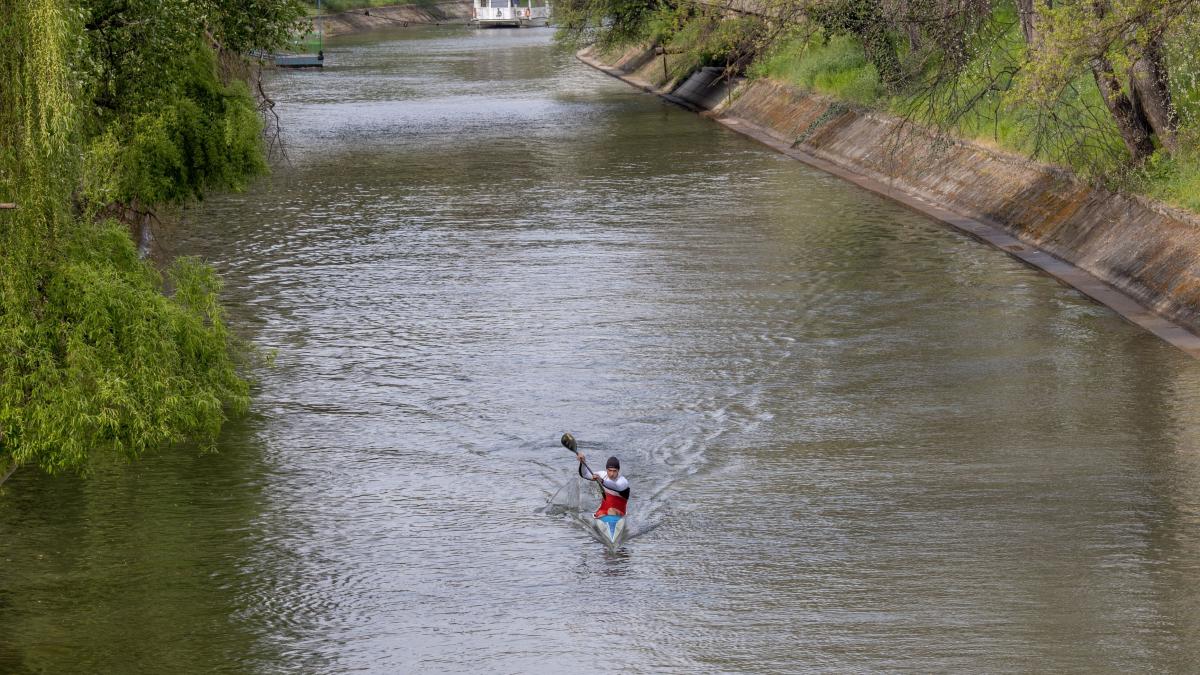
(206, 138)
(972, 99)
(1174, 179)
(837, 67)
(111, 363)
(1074, 129)
(242, 26)
(665, 21)
(1183, 60)
(966, 68)
(865, 21)
(722, 41)
(38, 111)
(1125, 45)
(605, 23)
(1072, 34)
(166, 124)
(696, 37)
(693, 35)
(113, 103)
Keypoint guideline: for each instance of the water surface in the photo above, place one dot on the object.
(857, 440)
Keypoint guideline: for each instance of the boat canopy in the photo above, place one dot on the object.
(511, 3)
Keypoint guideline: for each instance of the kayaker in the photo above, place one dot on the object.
(616, 488)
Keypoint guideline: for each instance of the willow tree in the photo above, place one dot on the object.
(605, 22)
(100, 352)
(170, 117)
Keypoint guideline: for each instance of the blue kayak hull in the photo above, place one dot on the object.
(611, 529)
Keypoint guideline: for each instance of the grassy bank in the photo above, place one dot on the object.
(1075, 132)
(982, 88)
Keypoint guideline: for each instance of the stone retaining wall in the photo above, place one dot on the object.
(1147, 251)
(1150, 252)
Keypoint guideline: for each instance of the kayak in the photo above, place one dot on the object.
(611, 529)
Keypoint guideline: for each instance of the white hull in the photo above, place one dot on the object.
(512, 23)
(299, 60)
(514, 17)
(611, 533)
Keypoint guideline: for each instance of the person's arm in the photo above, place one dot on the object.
(580, 457)
(619, 486)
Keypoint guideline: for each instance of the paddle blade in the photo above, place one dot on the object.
(568, 442)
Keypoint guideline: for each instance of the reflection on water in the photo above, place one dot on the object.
(856, 440)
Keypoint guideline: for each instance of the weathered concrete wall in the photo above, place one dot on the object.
(639, 66)
(1149, 251)
(360, 20)
(651, 70)
(705, 89)
(1146, 251)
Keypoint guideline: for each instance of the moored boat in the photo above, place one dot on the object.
(300, 60)
(514, 13)
(305, 60)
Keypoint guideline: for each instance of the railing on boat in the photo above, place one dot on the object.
(513, 12)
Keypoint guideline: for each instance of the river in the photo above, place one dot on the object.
(857, 440)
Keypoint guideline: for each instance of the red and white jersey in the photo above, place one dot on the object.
(616, 495)
(617, 488)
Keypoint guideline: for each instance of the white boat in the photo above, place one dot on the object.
(306, 60)
(300, 60)
(515, 13)
(611, 529)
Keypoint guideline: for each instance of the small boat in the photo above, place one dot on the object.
(611, 529)
(514, 13)
(300, 60)
(306, 60)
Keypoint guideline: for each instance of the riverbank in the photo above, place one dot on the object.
(1136, 256)
(375, 18)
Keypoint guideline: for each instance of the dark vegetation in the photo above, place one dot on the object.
(109, 111)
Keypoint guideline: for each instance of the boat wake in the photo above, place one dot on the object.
(665, 457)
(576, 499)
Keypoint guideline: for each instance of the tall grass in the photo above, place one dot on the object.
(837, 68)
(1174, 180)
(1076, 131)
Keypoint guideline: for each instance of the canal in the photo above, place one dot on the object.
(857, 440)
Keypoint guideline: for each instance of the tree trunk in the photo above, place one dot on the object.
(907, 13)
(874, 31)
(881, 52)
(1148, 82)
(1135, 132)
(1027, 14)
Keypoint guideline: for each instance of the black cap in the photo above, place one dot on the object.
(613, 463)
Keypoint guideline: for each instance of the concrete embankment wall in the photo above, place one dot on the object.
(1113, 247)
(374, 18)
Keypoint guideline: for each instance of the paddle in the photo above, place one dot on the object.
(568, 442)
